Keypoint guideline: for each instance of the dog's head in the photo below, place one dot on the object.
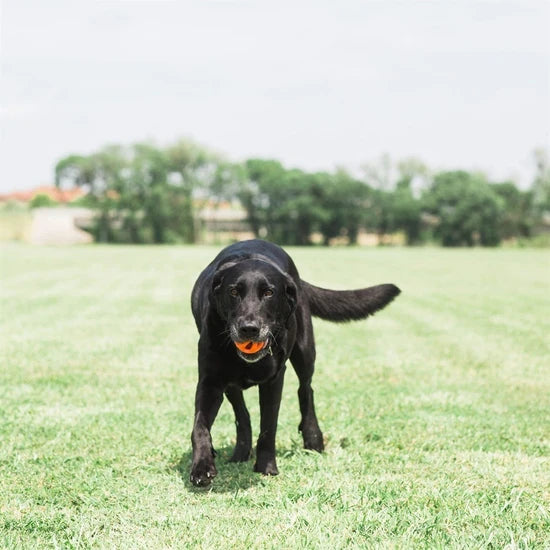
(255, 298)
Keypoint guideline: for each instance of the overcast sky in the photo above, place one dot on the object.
(315, 84)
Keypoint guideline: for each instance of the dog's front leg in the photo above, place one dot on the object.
(207, 403)
(270, 401)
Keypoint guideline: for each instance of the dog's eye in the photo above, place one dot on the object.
(234, 292)
(268, 293)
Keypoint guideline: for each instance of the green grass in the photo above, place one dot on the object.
(436, 411)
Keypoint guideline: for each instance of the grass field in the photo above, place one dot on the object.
(436, 411)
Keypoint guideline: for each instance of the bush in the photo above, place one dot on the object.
(42, 200)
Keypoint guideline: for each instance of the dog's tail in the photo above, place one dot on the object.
(348, 305)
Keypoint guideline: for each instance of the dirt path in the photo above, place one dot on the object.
(56, 226)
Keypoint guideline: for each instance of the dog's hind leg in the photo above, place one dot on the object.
(303, 361)
(243, 447)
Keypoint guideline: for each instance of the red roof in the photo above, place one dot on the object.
(58, 195)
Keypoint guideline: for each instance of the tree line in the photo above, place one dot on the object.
(144, 193)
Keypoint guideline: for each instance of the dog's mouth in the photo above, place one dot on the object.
(252, 350)
(251, 347)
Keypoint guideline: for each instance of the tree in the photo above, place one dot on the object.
(191, 169)
(396, 204)
(285, 206)
(541, 187)
(260, 193)
(517, 218)
(406, 213)
(380, 173)
(223, 186)
(298, 209)
(468, 209)
(346, 203)
(141, 193)
(414, 174)
(101, 174)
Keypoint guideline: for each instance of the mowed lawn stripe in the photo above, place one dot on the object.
(435, 410)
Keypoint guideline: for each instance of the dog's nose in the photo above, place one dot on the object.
(249, 331)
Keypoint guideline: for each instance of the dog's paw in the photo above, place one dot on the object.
(266, 466)
(314, 442)
(241, 454)
(202, 473)
(312, 436)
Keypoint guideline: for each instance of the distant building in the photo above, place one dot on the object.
(58, 195)
(46, 225)
(222, 222)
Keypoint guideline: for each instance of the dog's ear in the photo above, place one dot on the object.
(291, 294)
(217, 281)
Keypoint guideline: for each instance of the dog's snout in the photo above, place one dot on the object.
(249, 330)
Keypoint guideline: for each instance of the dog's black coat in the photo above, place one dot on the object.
(252, 292)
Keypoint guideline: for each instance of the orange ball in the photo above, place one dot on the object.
(250, 346)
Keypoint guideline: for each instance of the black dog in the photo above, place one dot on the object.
(253, 313)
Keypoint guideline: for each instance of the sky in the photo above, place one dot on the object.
(315, 84)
